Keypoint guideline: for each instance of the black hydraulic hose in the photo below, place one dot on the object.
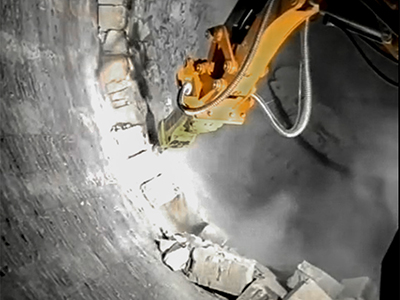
(374, 68)
(374, 7)
(376, 48)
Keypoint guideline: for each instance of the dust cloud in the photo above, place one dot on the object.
(280, 200)
(281, 204)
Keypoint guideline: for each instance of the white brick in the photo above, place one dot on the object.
(305, 270)
(160, 190)
(112, 17)
(114, 86)
(115, 69)
(308, 290)
(112, 2)
(140, 168)
(177, 259)
(115, 43)
(123, 94)
(135, 111)
(131, 141)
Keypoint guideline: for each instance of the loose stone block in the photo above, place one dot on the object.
(219, 270)
(115, 43)
(305, 270)
(114, 69)
(144, 30)
(308, 290)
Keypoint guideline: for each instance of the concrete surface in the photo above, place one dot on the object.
(68, 230)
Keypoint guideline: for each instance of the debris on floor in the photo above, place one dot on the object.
(306, 271)
(225, 272)
(217, 267)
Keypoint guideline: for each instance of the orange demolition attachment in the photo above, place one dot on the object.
(218, 90)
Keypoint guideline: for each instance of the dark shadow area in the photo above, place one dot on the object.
(390, 271)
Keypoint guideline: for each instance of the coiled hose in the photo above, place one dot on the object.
(187, 87)
(304, 107)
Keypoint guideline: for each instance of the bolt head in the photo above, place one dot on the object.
(216, 84)
(188, 87)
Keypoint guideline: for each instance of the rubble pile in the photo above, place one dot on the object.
(222, 270)
(219, 268)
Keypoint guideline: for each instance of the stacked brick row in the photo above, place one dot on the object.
(142, 165)
(116, 74)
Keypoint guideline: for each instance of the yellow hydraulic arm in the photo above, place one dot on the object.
(217, 90)
(221, 89)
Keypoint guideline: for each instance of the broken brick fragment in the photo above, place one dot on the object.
(307, 290)
(219, 270)
(306, 271)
